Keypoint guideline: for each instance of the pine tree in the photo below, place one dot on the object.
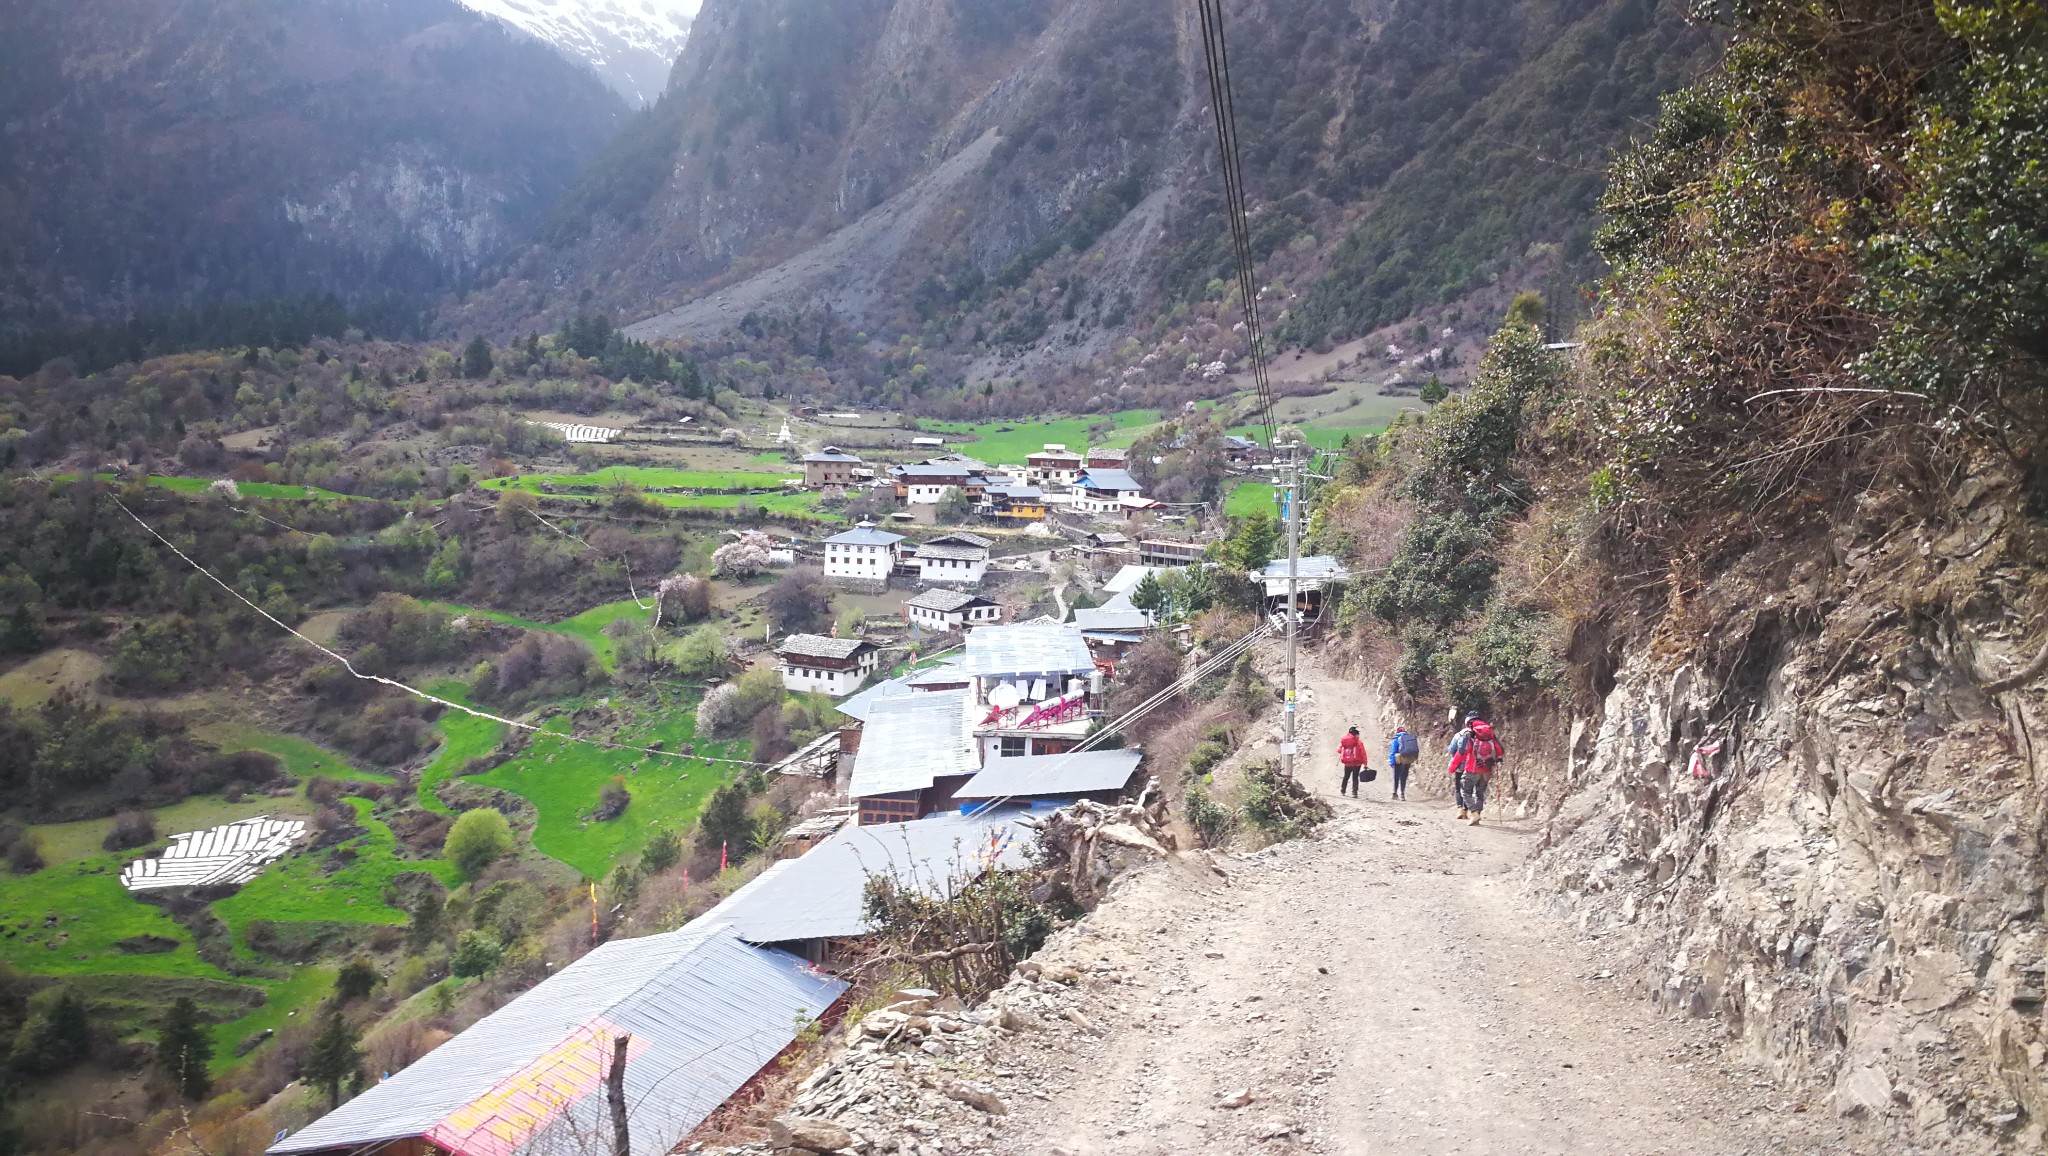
(184, 1049)
(336, 1056)
(476, 358)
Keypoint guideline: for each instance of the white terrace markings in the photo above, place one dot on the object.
(233, 853)
(581, 433)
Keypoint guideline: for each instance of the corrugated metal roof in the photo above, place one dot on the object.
(1106, 479)
(861, 706)
(706, 1010)
(1067, 774)
(1127, 578)
(819, 895)
(1027, 648)
(910, 740)
(820, 646)
(831, 455)
(1016, 493)
(962, 538)
(866, 536)
(1111, 618)
(1314, 566)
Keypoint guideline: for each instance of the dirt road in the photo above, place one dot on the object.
(1379, 989)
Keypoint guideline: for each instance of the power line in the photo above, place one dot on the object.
(1216, 52)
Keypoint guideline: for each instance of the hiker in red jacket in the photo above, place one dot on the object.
(1475, 752)
(1351, 752)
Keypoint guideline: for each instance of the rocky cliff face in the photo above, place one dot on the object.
(1807, 804)
(159, 152)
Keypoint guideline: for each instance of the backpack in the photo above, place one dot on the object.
(1351, 752)
(1405, 749)
(1485, 750)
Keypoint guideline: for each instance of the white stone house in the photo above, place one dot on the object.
(1103, 491)
(836, 666)
(955, 559)
(863, 554)
(945, 611)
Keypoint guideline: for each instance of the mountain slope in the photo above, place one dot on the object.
(630, 46)
(1418, 149)
(160, 152)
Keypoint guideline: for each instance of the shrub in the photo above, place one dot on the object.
(664, 850)
(131, 829)
(1213, 822)
(356, 979)
(478, 839)
(25, 855)
(1442, 570)
(476, 953)
(613, 799)
(719, 713)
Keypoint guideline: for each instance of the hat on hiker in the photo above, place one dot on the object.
(1473, 717)
(1354, 730)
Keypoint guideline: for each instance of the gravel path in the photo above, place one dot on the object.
(1378, 989)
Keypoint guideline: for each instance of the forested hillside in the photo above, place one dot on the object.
(1021, 186)
(164, 153)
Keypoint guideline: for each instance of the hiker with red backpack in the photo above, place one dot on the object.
(1475, 752)
(1402, 752)
(1351, 753)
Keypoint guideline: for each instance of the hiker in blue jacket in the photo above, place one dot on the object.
(1401, 754)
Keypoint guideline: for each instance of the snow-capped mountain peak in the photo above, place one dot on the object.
(630, 44)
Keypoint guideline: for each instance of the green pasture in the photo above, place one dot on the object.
(562, 780)
(246, 489)
(991, 442)
(646, 477)
(302, 758)
(587, 627)
(305, 989)
(464, 737)
(1248, 498)
(299, 888)
(93, 913)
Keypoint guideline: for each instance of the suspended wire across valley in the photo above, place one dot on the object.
(1216, 51)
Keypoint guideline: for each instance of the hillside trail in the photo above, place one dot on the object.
(1380, 988)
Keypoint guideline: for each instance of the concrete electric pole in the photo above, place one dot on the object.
(1290, 488)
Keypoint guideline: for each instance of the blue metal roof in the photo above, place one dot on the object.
(910, 740)
(706, 1011)
(1027, 648)
(1102, 479)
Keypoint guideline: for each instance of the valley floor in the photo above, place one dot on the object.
(1382, 988)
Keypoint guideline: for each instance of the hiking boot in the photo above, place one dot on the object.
(1475, 820)
(1463, 813)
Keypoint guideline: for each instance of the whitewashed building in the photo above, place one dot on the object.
(945, 611)
(863, 554)
(955, 559)
(835, 666)
(1104, 491)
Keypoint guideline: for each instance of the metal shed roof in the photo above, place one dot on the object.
(960, 551)
(1068, 774)
(1112, 618)
(1027, 648)
(1314, 566)
(819, 895)
(831, 454)
(706, 1010)
(909, 741)
(961, 538)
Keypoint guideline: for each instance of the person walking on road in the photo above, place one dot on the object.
(1401, 753)
(1351, 752)
(1475, 752)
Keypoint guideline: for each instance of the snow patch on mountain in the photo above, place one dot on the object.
(630, 44)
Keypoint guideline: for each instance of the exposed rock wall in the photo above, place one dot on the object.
(1853, 881)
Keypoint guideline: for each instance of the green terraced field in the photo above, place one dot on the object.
(246, 489)
(587, 627)
(646, 477)
(464, 737)
(94, 912)
(298, 888)
(562, 780)
(993, 444)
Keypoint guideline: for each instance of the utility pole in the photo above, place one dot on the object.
(615, 1095)
(1291, 488)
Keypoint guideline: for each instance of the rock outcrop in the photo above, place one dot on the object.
(1811, 805)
